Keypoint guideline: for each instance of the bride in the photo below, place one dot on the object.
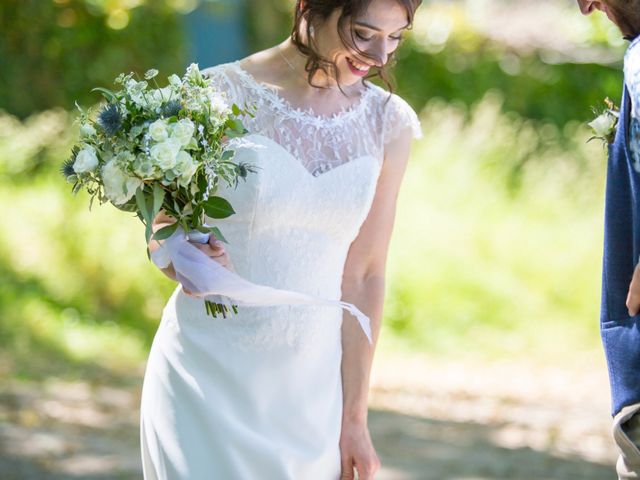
(281, 392)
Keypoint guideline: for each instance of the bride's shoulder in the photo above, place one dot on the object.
(222, 71)
(395, 113)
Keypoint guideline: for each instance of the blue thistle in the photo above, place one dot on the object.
(243, 169)
(171, 108)
(110, 119)
(66, 169)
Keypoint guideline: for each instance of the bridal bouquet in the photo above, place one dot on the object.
(167, 149)
(150, 149)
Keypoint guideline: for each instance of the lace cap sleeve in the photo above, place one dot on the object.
(398, 116)
(225, 79)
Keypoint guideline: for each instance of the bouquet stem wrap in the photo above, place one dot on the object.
(206, 278)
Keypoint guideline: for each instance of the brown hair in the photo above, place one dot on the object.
(318, 11)
(627, 16)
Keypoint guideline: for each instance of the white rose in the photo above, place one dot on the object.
(185, 168)
(118, 186)
(164, 154)
(183, 131)
(86, 160)
(158, 130)
(87, 130)
(603, 125)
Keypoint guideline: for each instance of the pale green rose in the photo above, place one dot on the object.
(158, 130)
(87, 131)
(86, 160)
(118, 186)
(183, 131)
(164, 154)
(185, 168)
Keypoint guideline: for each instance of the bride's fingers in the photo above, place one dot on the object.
(347, 472)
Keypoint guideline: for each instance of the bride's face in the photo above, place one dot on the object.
(377, 32)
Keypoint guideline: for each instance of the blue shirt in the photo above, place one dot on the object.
(632, 80)
(620, 332)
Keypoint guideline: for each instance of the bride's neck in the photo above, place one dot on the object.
(294, 63)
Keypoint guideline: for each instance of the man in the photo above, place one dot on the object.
(620, 322)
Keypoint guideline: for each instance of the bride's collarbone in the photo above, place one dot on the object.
(322, 101)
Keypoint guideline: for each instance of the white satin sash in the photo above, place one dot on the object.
(206, 278)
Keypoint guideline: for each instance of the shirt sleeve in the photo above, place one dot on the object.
(632, 76)
(398, 117)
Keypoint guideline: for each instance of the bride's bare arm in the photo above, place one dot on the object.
(363, 285)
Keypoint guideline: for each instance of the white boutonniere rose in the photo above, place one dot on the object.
(605, 123)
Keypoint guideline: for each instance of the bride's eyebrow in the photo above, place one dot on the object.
(372, 27)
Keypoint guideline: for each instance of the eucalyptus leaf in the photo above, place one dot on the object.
(158, 199)
(142, 206)
(148, 232)
(165, 232)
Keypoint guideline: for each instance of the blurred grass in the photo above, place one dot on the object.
(485, 260)
(480, 268)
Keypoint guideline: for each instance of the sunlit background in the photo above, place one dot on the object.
(494, 272)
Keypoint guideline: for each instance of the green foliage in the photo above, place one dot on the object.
(218, 207)
(487, 270)
(56, 51)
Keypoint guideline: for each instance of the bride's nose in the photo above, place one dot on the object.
(379, 53)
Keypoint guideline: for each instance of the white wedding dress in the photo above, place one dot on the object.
(259, 395)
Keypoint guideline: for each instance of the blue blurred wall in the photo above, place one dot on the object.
(216, 32)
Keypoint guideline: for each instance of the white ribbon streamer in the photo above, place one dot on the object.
(206, 278)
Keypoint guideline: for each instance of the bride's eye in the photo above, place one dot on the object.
(362, 37)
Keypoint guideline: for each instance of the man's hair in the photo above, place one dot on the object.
(627, 16)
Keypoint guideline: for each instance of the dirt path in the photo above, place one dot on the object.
(430, 420)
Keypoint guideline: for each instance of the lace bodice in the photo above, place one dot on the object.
(298, 214)
(319, 143)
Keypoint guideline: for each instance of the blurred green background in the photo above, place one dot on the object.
(497, 246)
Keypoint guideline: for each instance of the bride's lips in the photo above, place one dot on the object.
(355, 70)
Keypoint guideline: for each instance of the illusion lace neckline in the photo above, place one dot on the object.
(284, 106)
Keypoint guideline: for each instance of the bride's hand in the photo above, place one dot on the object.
(356, 450)
(216, 251)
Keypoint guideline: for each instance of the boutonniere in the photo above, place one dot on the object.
(605, 123)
